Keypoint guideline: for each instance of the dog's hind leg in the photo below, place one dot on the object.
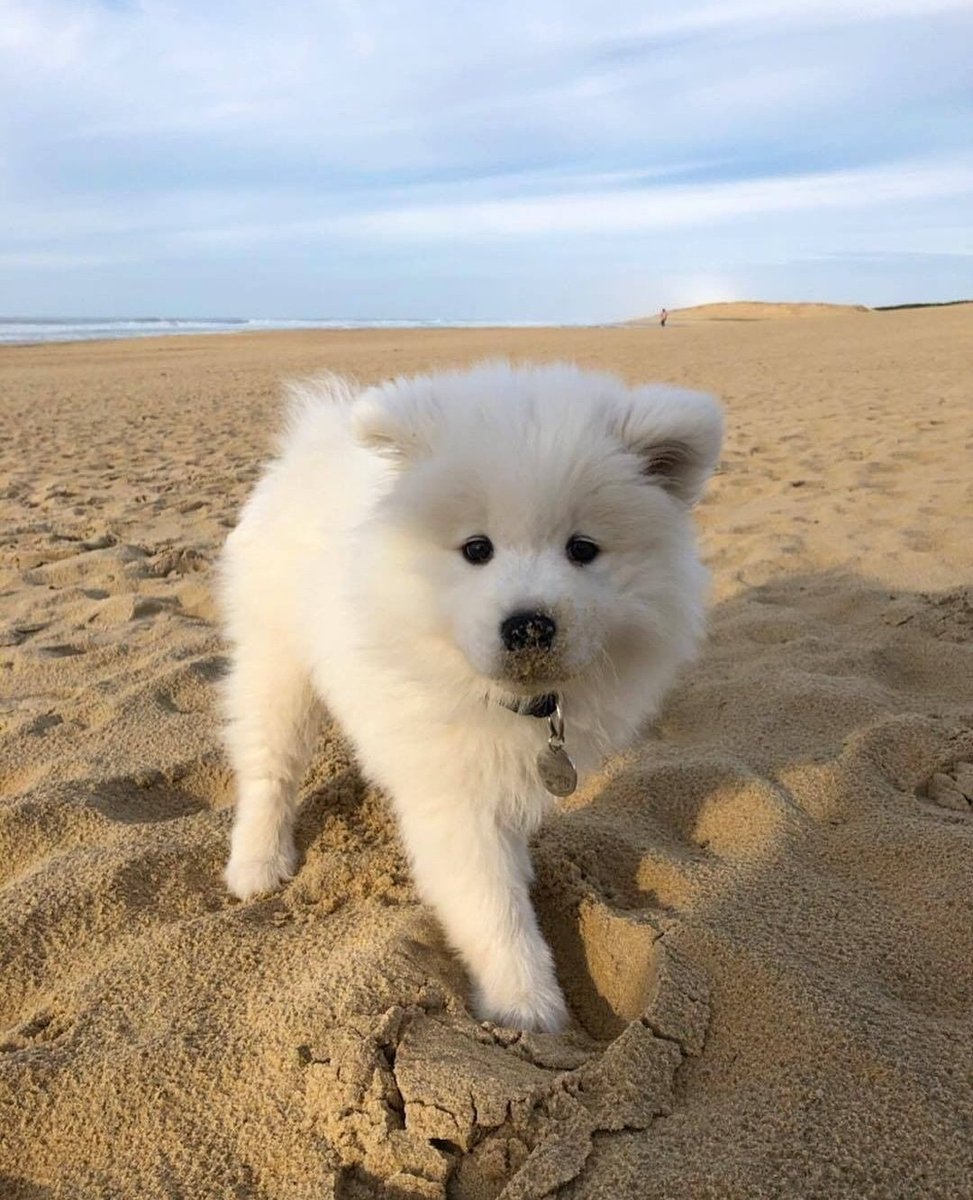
(273, 719)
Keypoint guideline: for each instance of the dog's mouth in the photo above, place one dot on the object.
(528, 671)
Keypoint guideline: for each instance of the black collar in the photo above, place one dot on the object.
(532, 706)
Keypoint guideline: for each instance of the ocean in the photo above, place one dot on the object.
(27, 330)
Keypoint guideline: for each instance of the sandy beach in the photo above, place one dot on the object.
(762, 917)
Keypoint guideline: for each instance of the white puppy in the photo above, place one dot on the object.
(438, 560)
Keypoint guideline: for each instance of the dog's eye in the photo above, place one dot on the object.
(477, 550)
(582, 550)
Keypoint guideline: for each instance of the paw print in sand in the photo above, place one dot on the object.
(953, 788)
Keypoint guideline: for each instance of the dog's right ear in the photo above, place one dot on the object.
(397, 420)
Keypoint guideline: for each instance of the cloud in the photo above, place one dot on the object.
(139, 130)
(673, 206)
(42, 260)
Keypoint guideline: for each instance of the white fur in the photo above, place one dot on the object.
(344, 582)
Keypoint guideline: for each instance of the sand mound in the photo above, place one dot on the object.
(761, 916)
(753, 310)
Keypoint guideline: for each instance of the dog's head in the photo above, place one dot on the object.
(537, 518)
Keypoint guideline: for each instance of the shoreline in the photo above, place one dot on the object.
(244, 329)
(730, 311)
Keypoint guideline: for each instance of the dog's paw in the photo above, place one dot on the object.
(246, 877)
(543, 1011)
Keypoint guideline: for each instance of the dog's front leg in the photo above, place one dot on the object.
(475, 872)
(272, 723)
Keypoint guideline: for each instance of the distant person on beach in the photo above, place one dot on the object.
(663, 317)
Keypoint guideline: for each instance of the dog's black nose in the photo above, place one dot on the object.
(528, 631)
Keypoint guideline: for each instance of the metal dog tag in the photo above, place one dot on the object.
(554, 765)
(557, 771)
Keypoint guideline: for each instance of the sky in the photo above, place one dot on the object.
(538, 160)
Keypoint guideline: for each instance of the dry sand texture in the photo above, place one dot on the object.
(762, 917)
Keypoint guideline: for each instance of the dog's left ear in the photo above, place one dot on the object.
(397, 420)
(676, 433)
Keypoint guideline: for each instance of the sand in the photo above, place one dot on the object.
(762, 916)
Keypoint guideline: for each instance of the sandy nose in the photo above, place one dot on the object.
(528, 631)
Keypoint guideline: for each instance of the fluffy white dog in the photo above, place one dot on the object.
(484, 575)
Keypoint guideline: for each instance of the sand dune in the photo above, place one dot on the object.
(753, 310)
(762, 916)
